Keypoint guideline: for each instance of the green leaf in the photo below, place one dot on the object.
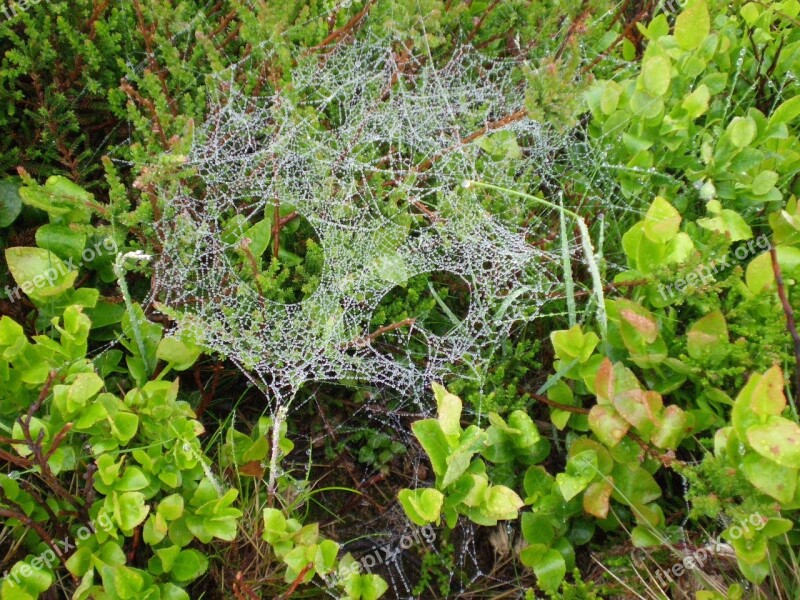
(778, 440)
(656, 74)
(662, 221)
(189, 565)
(633, 485)
(132, 480)
(693, 25)
(177, 353)
(537, 528)
(572, 344)
(640, 408)
(607, 424)
(671, 429)
(61, 240)
(168, 556)
(696, 103)
(206, 528)
(550, 568)
(609, 98)
(787, 112)
(449, 410)
(499, 145)
(756, 572)
(171, 507)
(297, 559)
(580, 471)
(325, 556)
(392, 268)
(707, 338)
(596, 499)
(38, 272)
(768, 397)
(770, 478)
(372, 586)
(537, 483)
(763, 182)
(642, 537)
(750, 13)
(726, 221)
(422, 506)
(472, 441)
(129, 509)
(431, 437)
(83, 388)
(749, 549)
(742, 131)
(59, 197)
(365, 587)
(501, 503)
(26, 581)
(760, 274)
(10, 202)
(528, 432)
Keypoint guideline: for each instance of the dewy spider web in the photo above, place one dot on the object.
(372, 149)
(382, 187)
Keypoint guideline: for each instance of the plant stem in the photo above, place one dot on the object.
(586, 245)
(119, 271)
(566, 261)
(280, 417)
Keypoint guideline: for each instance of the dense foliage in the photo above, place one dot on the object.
(639, 438)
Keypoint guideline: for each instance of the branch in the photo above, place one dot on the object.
(480, 21)
(241, 590)
(626, 33)
(346, 28)
(491, 126)
(366, 340)
(15, 512)
(148, 104)
(39, 457)
(545, 400)
(298, 580)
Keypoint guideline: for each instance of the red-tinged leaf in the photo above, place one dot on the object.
(670, 431)
(768, 397)
(607, 424)
(646, 326)
(596, 498)
(604, 382)
(252, 468)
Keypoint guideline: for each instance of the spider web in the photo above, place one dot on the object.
(373, 154)
(371, 146)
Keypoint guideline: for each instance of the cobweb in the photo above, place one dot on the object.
(372, 148)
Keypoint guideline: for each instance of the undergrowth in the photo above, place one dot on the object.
(610, 187)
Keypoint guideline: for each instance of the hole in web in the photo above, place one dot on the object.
(441, 302)
(282, 255)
